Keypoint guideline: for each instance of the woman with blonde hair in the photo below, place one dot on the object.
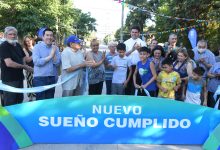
(28, 46)
(184, 66)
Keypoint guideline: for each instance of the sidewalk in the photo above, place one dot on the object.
(110, 147)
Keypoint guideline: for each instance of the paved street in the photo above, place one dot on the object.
(110, 147)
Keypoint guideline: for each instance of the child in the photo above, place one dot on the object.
(168, 81)
(147, 72)
(120, 63)
(196, 85)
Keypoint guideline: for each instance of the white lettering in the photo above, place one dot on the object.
(107, 124)
(173, 123)
(67, 121)
(43, 121)
(96, 109)
(79, 121)
(155, 124)
(127, 111)
(134, 123)
(57, 123)
(92, 122)
(164, 123)
(137, 110)
(117, 110)
(186, 121)
(119, 124)
(109, 110)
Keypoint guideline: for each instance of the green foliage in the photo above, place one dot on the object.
(126, 34)
(137, 17)
(84, 24)
(30, 15)
(195, 9)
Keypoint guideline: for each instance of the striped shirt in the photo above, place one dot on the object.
(109, 71)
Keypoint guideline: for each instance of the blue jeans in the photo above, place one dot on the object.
(41, 81)
(108, 87)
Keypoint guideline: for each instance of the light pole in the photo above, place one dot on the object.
(122, 22)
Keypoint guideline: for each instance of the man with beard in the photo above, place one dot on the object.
(12, 65)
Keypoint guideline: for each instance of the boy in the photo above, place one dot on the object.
(168, 81)
(120, 63)
(147, 72)
(196, 85)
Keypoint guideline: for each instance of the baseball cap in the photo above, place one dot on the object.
(73, 39)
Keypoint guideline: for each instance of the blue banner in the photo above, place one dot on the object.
(193, 37)
(115, 120)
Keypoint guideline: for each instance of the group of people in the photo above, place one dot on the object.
(128, 68)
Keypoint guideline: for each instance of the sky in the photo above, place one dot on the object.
(106, 12)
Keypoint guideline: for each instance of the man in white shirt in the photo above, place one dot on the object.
(132, 46)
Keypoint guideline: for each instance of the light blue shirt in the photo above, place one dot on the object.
(214, 82)
(41, 67)
(207, 55)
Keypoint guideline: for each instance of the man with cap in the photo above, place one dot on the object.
(72, 63)
(46, 58)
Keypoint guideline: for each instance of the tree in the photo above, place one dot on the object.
(126, 34)
(84, 24)
(195, 9)
(30, 15)
(136, 17)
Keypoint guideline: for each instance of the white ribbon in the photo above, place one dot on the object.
(217, 92)
(8, 88)
(146, 91)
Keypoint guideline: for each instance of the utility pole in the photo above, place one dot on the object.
(122, 22)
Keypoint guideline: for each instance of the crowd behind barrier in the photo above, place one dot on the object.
(130, 68)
